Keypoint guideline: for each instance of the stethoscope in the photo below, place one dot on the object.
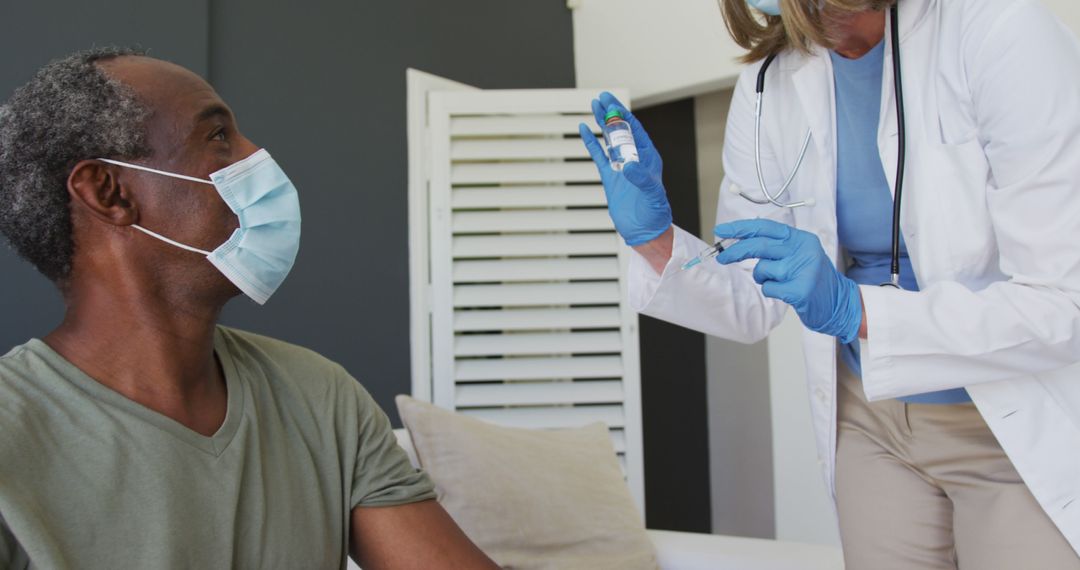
(769, 198)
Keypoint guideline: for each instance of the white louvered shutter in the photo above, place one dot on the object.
(529, 324)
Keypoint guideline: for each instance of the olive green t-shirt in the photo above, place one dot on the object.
(90, 479)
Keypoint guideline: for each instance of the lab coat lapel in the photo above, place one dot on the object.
(813, 84)
(814, 87)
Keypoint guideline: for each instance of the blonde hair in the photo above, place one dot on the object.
(801, 25)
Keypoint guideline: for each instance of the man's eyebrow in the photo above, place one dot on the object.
(212, 111)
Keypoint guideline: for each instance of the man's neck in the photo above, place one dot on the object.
(158, 353)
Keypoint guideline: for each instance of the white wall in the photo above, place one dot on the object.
(663, 50)
(1067, 10)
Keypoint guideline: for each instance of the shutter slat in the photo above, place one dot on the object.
(538, 368)
(618, 439)
(540, 393)
(530, 221)
(535, 269)
(535, 244)
(550, 417)
(518, 125)
(510, 149)
(528, 196)
(522, 295)
(523, 172)
(537, 319)
(537, 343)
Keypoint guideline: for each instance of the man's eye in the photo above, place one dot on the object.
(219, 135)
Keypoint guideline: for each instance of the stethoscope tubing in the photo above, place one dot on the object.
(901, 147)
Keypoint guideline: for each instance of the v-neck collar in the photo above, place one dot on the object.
(213, 445)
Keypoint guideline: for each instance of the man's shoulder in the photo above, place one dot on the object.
(284, 362)
(17, 356)
(29, 381)
(239, 340)
(19, 369)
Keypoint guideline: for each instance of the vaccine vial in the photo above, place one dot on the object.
(619, 139)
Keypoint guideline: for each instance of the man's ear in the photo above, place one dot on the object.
(94, 185)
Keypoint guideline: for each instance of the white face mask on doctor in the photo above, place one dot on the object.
(260, 253)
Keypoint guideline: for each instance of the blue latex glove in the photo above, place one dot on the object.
(794, 268)
(637, 201)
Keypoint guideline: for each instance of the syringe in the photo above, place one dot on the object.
(709, 253)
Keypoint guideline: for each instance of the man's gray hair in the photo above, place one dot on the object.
(69, 111)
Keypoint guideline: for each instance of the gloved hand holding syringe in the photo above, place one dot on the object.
(720, 245)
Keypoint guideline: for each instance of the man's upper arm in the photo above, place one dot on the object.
(416, 535)
(395, 521)
(382, 473)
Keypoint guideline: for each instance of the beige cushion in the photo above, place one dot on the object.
(531, 498)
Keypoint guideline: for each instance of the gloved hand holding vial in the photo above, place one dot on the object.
(632, 177)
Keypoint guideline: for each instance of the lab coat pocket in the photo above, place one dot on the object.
(956, 176)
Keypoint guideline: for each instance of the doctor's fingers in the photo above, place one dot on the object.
(782, 291)
(645, 178)
(755, 248)
(768, 270)
(599, 157)
(641, 136)
(598, 112)
(757, 227)
(609, 102)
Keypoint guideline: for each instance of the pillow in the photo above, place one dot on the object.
(531, 499)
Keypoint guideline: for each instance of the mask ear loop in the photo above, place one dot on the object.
(172, 175)
(169, 241)
(155, 171)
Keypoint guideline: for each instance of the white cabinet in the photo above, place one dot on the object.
(660, 50)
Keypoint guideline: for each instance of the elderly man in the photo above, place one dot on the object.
(139, 433)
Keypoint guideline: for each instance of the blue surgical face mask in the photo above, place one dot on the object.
(260, 253)
(770, 7)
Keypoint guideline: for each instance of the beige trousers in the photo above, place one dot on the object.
(927, 486)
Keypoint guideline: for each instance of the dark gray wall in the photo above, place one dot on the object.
(321, 84)
(674, 394)
(31, 34)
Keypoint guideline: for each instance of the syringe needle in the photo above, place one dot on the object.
(691, 263)
(712, 251)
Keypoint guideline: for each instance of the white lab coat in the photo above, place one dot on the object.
(990, 215)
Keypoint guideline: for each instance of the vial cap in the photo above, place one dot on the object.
(612, 114)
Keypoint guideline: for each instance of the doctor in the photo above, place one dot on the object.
(947, 410)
